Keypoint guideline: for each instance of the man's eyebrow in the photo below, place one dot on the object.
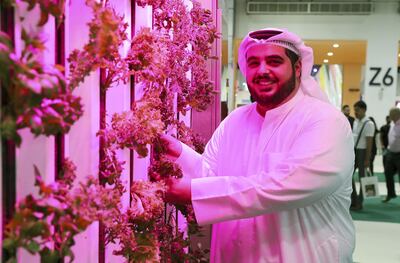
(275, 56)
(251, 58)
(267, 57)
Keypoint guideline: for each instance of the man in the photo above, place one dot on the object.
(384, 138)
(346, 112)
(392, 159)
(363, 133)
(275, 177)
(384, 133)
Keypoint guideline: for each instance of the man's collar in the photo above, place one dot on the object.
(285, 107)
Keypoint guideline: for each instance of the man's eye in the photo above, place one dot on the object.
(253, 63)
(274, 62)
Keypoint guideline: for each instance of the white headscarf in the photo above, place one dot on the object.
(286, 39)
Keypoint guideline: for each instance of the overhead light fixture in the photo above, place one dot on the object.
(326, 60)
(330, 54)
(399, 54)
(336, 45)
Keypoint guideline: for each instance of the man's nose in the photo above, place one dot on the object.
(263, 68)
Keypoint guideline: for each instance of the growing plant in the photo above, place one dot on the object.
(37, 95)
(107, 32)
(170, 63)
(48, 224)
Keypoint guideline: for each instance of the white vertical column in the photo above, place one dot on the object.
(380, 80)
(39, 150)
(143, 18)
(117, 101)
(81, 143)
(230, 23)
(207, 121)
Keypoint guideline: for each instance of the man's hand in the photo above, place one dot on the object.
(174, 147)
(178, 191)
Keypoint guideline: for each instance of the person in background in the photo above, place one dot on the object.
(275, 177)
(363, 133)
(383, 135)
(392, 159)
(374, 149)
(346, 112)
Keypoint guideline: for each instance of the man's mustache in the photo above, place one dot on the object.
(264, 77)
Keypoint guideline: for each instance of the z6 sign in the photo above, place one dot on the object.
(381, 77)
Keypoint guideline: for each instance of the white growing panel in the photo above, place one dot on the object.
(82, 144)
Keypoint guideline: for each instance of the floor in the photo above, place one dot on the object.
(377, 242)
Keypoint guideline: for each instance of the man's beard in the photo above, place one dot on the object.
(281, 94)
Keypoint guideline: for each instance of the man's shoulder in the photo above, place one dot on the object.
(369, 124)
(317, 111)
(322, 108)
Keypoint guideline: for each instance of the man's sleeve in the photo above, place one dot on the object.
(396, 129)
(319, 162)
(369, 129)
(190, 162)
(195, 165)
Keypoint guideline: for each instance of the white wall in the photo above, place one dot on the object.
(380, 30)
(385, 18)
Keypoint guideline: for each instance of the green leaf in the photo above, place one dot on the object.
(33, 247)
(49, 256)
(67, 252)
(10, 244)
(12, 260)
(8, 130)
(35, 229)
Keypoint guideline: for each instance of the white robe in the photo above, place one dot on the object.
(276, 189)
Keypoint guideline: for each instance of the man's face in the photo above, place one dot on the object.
(394, 115)
(359, 112)
(346, 111)
(269, 74)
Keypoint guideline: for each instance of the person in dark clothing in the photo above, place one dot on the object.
(374, 147)
(363, 133)
(383, 135)
(392, 158)
(346, 112)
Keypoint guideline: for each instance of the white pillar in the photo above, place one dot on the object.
(380, 81)
(230, 21)
(33, 151)
(81, 143)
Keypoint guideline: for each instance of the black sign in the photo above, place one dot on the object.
(378, 80)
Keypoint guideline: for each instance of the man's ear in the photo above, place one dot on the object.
(297, 68)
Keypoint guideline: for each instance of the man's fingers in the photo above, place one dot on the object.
(174, 147)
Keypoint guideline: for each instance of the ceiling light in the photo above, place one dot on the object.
(330, 54)
(336, 45)
(399, 54)
(326, 61)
